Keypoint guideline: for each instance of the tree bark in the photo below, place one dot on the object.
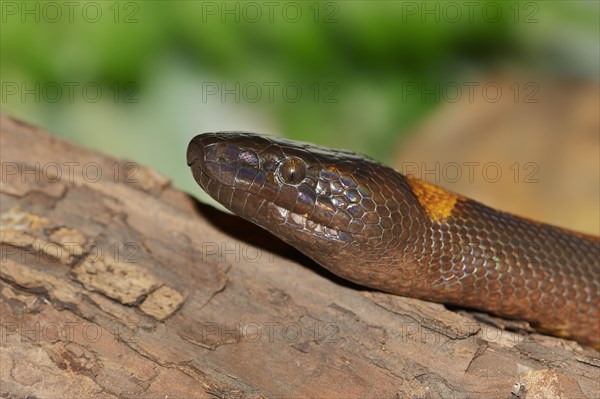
(115, 284)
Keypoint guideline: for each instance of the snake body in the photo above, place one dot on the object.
(370, 224)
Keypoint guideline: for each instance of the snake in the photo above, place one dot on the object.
(370, 224)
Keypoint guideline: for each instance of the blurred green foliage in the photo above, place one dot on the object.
(359, 53)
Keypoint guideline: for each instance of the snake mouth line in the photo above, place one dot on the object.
(318, 229)
(293, 219)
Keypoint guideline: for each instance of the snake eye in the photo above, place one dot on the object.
(292, 170)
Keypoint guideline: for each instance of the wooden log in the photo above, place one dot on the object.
(115, 284)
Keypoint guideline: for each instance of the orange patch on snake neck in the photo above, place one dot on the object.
(437, 202)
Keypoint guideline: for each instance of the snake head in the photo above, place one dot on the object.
(335, 206)
(319, 200)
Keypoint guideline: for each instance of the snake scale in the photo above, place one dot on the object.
(370, 224)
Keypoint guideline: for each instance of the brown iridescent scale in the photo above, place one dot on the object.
(369, 224)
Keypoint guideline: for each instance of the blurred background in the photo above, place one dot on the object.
(496, 100)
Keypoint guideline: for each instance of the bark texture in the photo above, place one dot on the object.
(115, 284)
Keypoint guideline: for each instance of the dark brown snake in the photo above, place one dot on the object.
(369, 224)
